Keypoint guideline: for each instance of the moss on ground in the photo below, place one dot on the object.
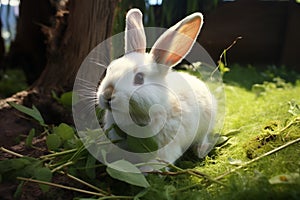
(260, 116)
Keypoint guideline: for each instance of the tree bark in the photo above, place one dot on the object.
(77, 28)
(88, 23)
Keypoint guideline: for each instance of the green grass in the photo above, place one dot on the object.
(262, 114)
(12, 81)
(254, 117)
(255, 123)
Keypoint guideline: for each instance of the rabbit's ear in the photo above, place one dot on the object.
(135, 38)
(173, 45)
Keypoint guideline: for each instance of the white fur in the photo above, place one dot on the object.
(186, 105)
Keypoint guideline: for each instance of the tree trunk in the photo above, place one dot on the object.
(78, 27)
(28, 51)
(88, 23)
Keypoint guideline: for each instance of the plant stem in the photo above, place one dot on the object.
(227, 49)
(62, 166)
(223, 54)
(77, 153)
(102, 196)
(186, 187)
(84, 183)
(58, 154)
(192, 172)
(61, 186)
(115, 197)
(11, 152)
(295, 121)
(200, 174)
(257, 158)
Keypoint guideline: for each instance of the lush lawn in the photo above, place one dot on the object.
(258, 158)
(260, 117)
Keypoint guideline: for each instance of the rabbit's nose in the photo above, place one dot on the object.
(105, 97)
(107, 93)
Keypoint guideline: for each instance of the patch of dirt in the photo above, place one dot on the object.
(12, 122)
(29, 190)
(14, 128)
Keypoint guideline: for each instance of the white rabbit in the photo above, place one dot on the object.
(145, 98)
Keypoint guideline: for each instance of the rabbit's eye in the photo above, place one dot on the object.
(139, 79)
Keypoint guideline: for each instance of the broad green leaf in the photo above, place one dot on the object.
(43, 174)
(103, 153)
(64, 131)
(37, 115)
(222, 66)
(29, 138)
(19, 190)
(127, 172)
(54, 96)
(53, 141)
(142, 145)
(66, 99)
(141, 194)
(233, 132)
(19, 163)
(34, 112)
(13, 164)
(90, 167)
(168, 191)
(222, 140)
(12, 168)
(72, 143)
(118, 131)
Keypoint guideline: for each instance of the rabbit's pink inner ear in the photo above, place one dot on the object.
(135, 38)
(177, 41)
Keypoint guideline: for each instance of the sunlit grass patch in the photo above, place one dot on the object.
(262, 125)
(249, 116)
(255, 124)
(258, 157)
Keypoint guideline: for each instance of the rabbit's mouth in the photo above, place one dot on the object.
(104, 102)
(106, 96)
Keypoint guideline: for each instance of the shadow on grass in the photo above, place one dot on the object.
(247, 76)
